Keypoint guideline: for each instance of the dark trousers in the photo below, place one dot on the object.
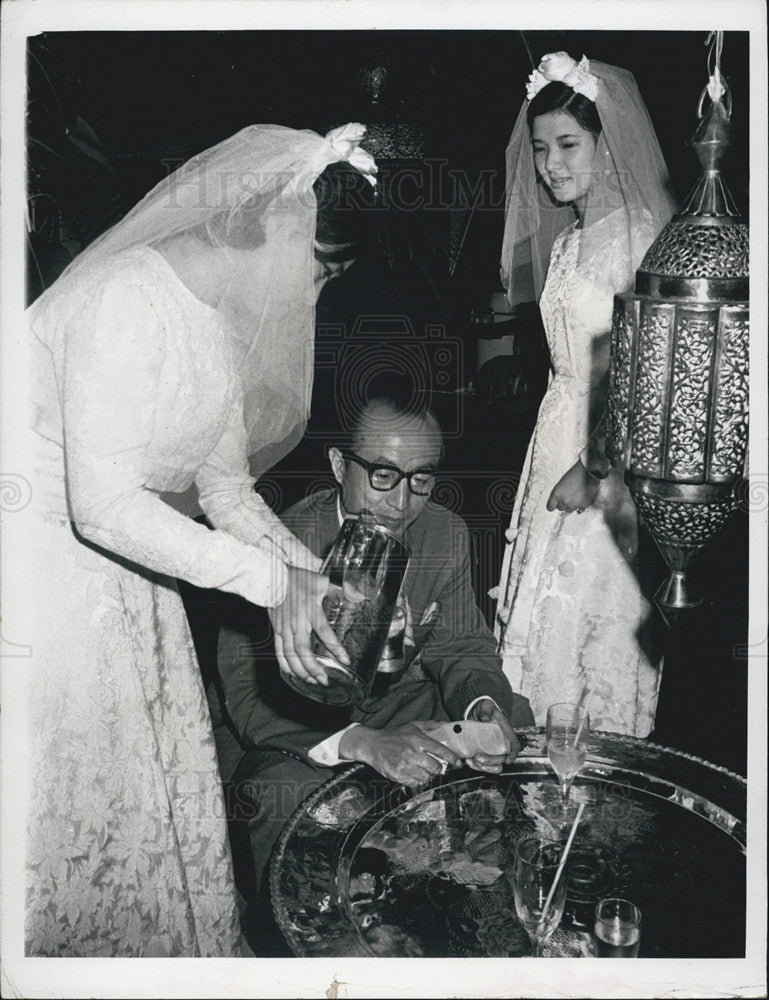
(265, 791)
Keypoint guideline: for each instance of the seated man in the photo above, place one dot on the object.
(281, 745)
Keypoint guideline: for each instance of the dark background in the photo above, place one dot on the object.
(111, 113)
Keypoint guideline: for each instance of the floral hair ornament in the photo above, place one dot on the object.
(346, 141)
(560, 67)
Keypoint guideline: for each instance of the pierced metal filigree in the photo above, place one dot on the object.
(730, 422)
(688, 421)
(695, 251)
(648, 418)
(619, 379)
(683, 524)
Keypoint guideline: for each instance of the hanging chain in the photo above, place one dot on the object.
(716, 87)
(528, 50)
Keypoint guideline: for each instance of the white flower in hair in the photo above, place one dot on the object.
(345, 141)
(560, 67)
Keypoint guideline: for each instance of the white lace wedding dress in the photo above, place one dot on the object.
(572, 621)
(135, 395)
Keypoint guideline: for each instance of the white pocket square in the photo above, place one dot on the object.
(431, 612)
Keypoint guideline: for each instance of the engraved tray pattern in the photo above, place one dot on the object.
(366, 867)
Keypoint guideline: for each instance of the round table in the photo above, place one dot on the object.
(367, 867)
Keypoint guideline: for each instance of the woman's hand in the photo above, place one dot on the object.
(293, 622)
(487, 710)
(575, 490)
(405, 753)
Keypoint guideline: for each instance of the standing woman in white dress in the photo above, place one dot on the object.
(587, 193)
(176, 346)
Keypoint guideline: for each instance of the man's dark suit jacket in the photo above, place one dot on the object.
(452, 662)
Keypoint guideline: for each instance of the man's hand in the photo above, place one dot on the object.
(402, 753)
(294, 621)
(575, 490)
(487, 711)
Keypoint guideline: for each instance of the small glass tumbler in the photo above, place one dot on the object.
(617, 929)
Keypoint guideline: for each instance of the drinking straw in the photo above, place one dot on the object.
(561, 863)
(582, 722)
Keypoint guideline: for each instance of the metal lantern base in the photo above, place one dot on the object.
(674, 593)
(681, 518)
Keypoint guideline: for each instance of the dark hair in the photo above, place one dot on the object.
(346, 204)
(558, 96)
(395, 390)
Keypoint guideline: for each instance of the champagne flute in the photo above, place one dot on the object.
(535, 869)
(567, 738)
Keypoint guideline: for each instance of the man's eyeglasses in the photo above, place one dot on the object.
(386, 477)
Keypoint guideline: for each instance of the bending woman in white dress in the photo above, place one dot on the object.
(175, 347)
(572, 622)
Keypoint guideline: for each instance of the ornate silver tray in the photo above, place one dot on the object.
(366, 867)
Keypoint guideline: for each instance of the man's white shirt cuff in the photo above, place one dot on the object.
(474, 702)
(327, 752)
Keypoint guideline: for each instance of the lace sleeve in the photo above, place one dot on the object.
(227, 496)
(593, 455)
(629, 251)
(108, 423)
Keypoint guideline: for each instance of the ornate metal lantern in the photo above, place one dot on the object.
(679, 372)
